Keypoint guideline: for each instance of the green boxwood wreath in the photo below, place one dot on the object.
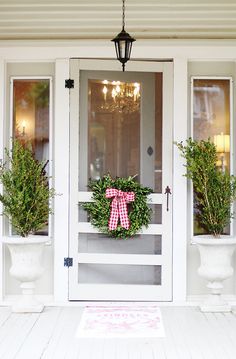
(99, 210)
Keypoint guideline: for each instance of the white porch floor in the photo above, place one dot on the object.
(51, 335)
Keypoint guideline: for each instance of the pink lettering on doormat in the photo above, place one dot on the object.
(121, 321)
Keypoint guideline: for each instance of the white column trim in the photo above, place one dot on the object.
(2, 142)
(180, 129)
(61, 180)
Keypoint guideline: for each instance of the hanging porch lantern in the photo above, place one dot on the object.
(123, 42)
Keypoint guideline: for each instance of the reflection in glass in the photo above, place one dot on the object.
(31, 114)
(31, 117)
(211, 119)
(158, 133)
(113, 128)
(211, 115)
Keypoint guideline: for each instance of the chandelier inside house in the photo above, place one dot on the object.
(123, 97)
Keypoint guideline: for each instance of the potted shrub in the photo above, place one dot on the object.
(26, 202)
(214, 193)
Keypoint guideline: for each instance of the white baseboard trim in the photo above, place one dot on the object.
(48, 300)
(198, 299)
(10, 299)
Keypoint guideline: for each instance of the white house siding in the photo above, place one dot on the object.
(204, 58)
(101, 19)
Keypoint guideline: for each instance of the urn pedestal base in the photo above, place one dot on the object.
(26, 267)
(215, 257)
(27, 302)
(215, 304)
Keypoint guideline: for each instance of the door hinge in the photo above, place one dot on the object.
(69, 84)
(68, 262)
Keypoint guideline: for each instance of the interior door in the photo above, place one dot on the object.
(123, 135)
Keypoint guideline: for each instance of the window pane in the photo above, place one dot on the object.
(120, 127)
(31, 117)
(158, 132)
(211, 115)
(211, 119)
(113, 128)
(31, 114)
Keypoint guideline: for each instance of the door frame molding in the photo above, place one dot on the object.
(180, 126)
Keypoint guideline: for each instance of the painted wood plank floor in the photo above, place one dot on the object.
(190, 334)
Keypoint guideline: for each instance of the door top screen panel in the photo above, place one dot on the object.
(121, 128)
(113, 128)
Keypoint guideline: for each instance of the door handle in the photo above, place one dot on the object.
(167, 192)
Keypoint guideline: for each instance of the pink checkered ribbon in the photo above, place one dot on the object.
(119, 207)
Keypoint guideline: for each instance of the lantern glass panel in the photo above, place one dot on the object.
(122, 49)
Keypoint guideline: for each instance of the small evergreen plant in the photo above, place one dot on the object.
(214, 189)
(26, 192)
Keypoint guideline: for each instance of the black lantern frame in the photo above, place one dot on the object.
(123, 42)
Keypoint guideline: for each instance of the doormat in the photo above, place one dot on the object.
(121, 322)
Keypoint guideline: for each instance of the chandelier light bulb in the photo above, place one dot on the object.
(113, 93)
(105, 90)
(118, 89)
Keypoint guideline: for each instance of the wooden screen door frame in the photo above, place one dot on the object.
(81, 291)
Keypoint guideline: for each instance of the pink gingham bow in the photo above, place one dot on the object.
(119, 207)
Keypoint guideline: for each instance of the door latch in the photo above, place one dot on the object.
(167, 192)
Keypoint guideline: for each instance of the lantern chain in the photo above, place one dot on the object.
(123, 10)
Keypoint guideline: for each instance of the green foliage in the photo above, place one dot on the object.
(138, 211)
(26, 193)
(214, 190)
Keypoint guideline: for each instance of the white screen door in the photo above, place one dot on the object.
(124, 130)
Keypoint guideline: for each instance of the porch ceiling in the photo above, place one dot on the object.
(101, 19)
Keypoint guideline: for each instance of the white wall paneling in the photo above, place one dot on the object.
(180, 183)
(2, 117)
(61, 175)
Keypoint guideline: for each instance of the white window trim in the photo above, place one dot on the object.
(230, 79)
(61, 175)
(12, 78)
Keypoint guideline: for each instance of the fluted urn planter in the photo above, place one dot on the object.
(26, 267)
(215, 266)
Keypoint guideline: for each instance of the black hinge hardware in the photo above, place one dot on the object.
(168, 192)
(69, 84)
(68, 262)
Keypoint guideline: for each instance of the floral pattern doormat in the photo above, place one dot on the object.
(121, 322)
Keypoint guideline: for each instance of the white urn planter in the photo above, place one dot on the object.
(215, 258)
(26, 267)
